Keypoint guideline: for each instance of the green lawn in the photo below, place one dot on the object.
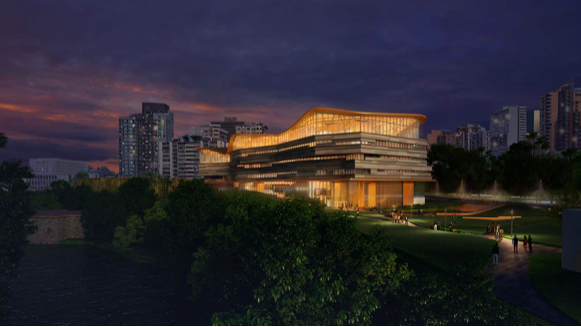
(441, 249)
(542, 227)
(433, 204)
(560, 287)
(547, 232)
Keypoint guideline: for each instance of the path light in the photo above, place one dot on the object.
(511, 220)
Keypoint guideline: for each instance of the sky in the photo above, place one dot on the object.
(70, 69)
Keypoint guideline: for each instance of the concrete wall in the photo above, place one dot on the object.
(571, 252)
(56, 225)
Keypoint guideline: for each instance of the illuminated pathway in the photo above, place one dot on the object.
(513, 285)
(512, 282)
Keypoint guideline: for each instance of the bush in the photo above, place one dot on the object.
(101, 214)
(130, 234)
(156, 224)
(71, 198)
(64, 193)
(45, 200)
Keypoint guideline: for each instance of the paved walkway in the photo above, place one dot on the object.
(513, 285)
(512, 282)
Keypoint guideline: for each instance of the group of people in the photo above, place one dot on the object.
(498, 232)
(398, 217)
(350, 206)
(436, 225)
(527, 242)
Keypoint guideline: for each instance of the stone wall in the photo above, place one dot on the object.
(56, 225)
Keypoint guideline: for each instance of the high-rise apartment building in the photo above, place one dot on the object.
(471, 137)
(213, 132)
(534, 121)
(507, 127)
(441, 137)
(139, 136)
(560, 117)
(251, 128)
(480, 139)
(233, 126)
(447, 137)
(180, 158)
(48, 170)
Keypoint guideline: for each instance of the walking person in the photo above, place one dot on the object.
(515, 244)
(530, 244)
(525, 243)
(495, 253)
(406, 221)
(493, 229)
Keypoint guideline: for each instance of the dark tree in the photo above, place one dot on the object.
(15, 212)
(101, 214)
(137, 195)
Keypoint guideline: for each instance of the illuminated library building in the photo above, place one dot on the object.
(337, 156)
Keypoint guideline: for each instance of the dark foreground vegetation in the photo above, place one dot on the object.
(253, 260)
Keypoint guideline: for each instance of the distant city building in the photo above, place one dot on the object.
(480, 139)
(139, 136)
(180, 158)
(251, 128)
(471, 137)
(447, 137)
(48, 170)
(442, 137)
(507, 127)
(432, 137)
(214, 132)
(233, 126)
(560, 117)
(534, 121)
(102, 172)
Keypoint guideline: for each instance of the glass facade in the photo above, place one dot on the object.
(332, 121)
(335, 193)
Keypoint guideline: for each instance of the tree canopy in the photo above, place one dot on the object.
(15, 211)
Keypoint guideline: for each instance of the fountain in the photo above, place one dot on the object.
(540, 191)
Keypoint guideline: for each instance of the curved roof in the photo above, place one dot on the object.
(318, 121)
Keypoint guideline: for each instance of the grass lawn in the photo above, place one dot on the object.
(535, 222)
(561, 287)
(441, 249)
(433, 204)
(547, 232)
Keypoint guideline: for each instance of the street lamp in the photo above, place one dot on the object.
(511, 220)
(412, 214)
(445, 217)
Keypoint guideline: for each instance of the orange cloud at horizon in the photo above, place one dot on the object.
(17, 108)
